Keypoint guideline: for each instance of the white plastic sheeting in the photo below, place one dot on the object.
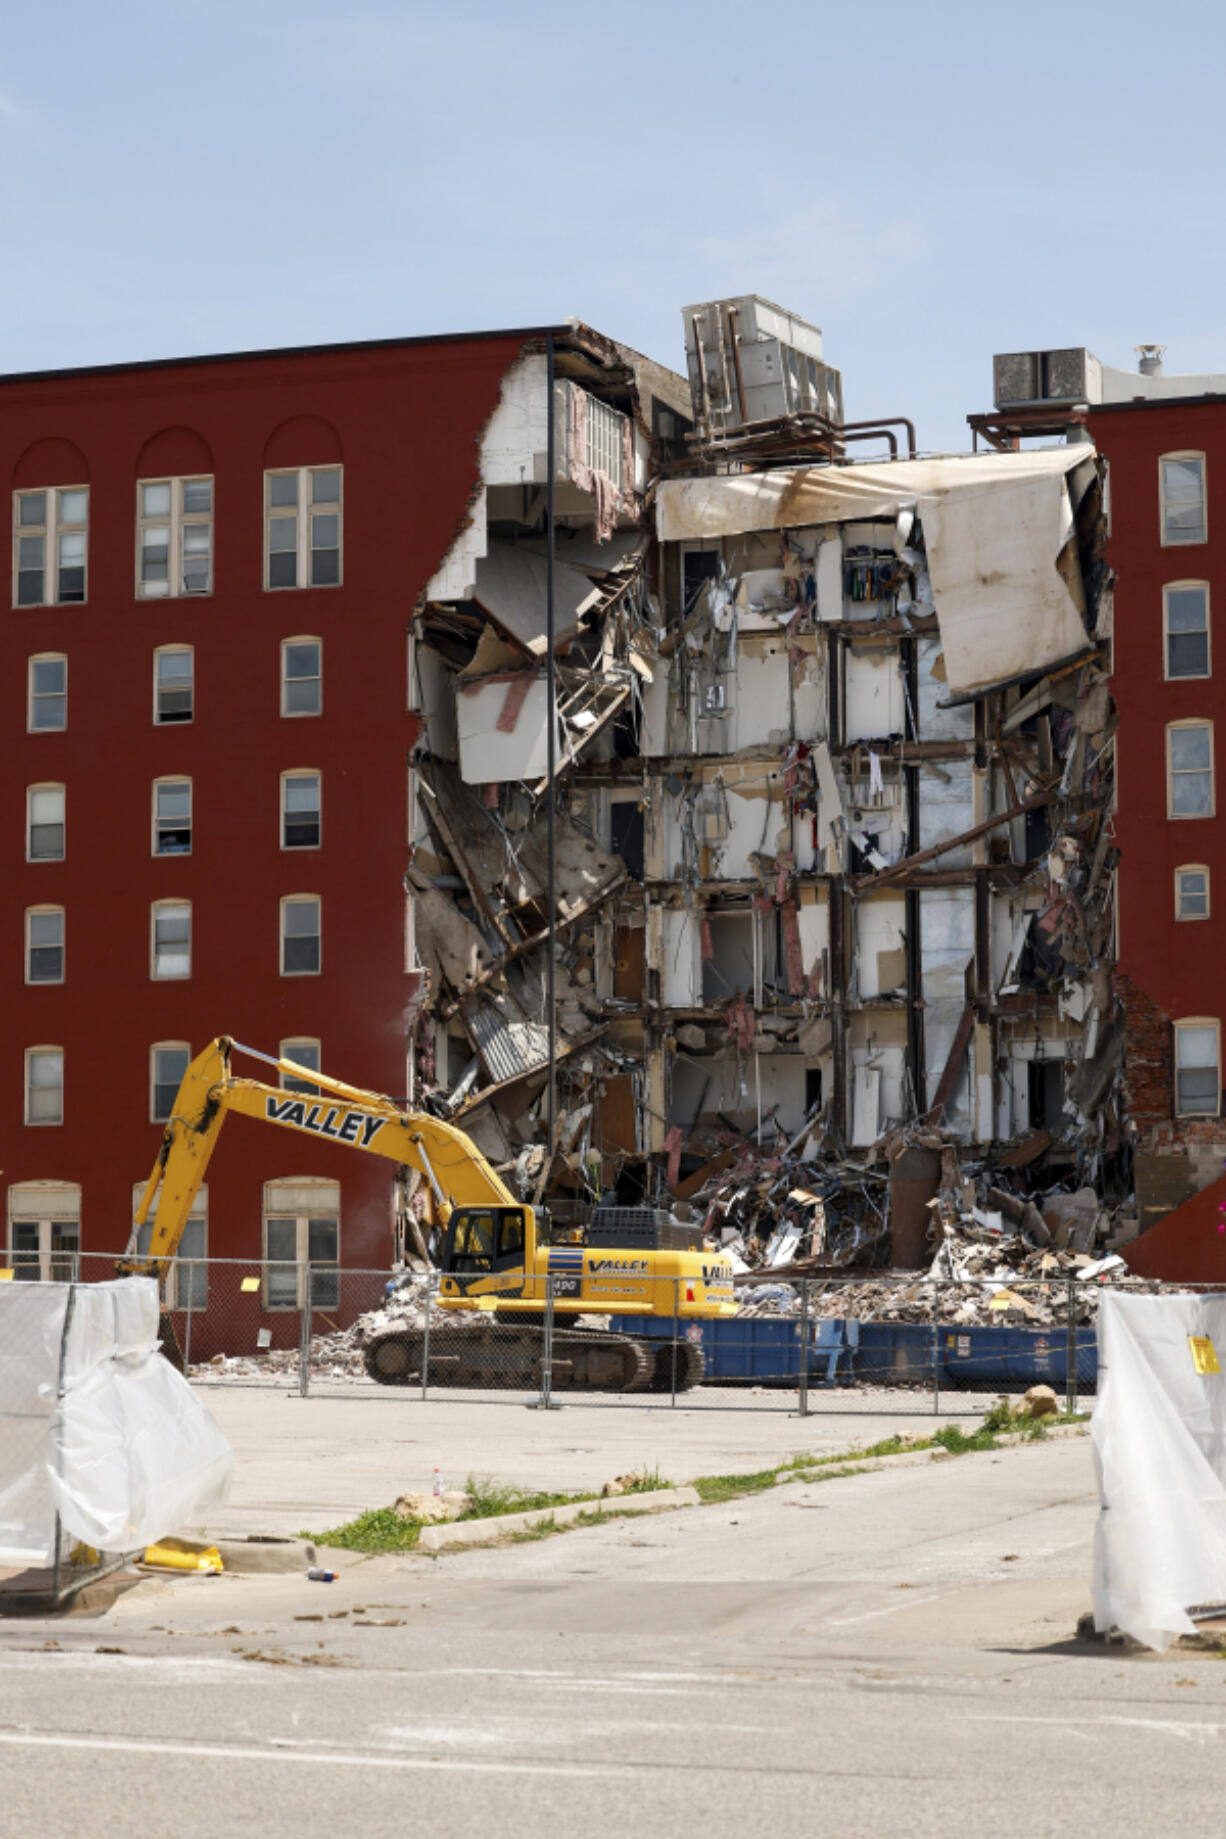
(131, 1454)
(1159, 1430)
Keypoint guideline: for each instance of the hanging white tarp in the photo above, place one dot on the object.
(1159, 1431)
(998, 531)
(129, 1455)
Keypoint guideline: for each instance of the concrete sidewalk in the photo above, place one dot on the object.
(310, 1464)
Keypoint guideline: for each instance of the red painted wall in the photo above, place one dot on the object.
(1180, 965)
(406, 420)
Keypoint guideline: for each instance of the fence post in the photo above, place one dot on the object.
(59, 1435)
(187, 1327)
(547, 1349)
(304, 1345)
(936, 1348)
(676, 1327)
(803, 1401)
(425, 1339)
(1070, 1348)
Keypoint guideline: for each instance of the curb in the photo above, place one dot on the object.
(456, 1534)
(851, 1463)
(264, 1557)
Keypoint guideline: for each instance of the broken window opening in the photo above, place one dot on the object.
(626, 832)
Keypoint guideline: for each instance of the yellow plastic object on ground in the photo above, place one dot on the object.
(182, 1555)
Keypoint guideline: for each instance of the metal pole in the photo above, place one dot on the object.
(187, 1328)
(304, 1341)
(59, 1435)
(936, 1349)
(547, 1348)
(803, 1404)
(676, 1326)
(1070, 1349)
(425, 1340)
(551, 749)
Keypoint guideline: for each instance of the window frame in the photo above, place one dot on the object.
(1186, 1023)
(46, 785)
(36, 912)
(1185, 817)
(1169, 587)
(289, 900)
(156, 1047)
(176, 521)
(52, 528)
(170, 651)
(329, 1209)
(1193, 868)
(180, 1265)
(284, 1052)
(1183, 454)
(22, 1197)
(32, 696)
(304, 512)
(298, 715)
(300, 772)
(41, 1123)
(156, 907)
(169, 855)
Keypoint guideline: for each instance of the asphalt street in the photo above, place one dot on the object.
(890, 1650)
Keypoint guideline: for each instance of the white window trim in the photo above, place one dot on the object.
(45, 785)
(329, 1208)
(285, 1051)
(299, 772)
(44, 657)
(199, 1212)
(1176, 587)
(51, 531)
(43, 1123)
(1190, 453)
(22, 1209)
(286, 901)
(161, 651)
(175, 521)
(304, 475)
(301, 715)
(1188, 1022)
(48, 982)
(156, 1047)
(171, 855)
(156, 907)
(1193, 817)
(1194, 868)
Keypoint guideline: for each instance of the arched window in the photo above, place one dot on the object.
(45, 823)
(44, 1230)
(1189, 769)
(302, 676)
(174, 684)
(1185, 628)
(47, 699)
(1181, 490)
(172, 816)
(170, 939)
(301, 808)
(1192, 891)
(44, 944)
(302, 1232)
(168, 1061)
(1198, 1078)
(301, 935)
(44, 1085)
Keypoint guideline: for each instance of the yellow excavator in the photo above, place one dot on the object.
(491, 1259)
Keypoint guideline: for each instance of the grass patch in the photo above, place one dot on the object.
(381, 1529)
(714, 1488)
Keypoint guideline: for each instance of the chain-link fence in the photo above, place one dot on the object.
(826, 1344)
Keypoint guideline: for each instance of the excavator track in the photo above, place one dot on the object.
(509, 1356)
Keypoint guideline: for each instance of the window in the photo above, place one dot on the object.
(50, 531)
(48, 700)
(1185, 611)
(302, 511)
(174, 682)
(300, 940)
(174, 537)
(1198, 1083)
(301, 1233)
(300, 800)
(1189, 769)
(303, 1052)
(168, 1061)
(1192, 892)
(172, 817)
(1182, 485)
(44, 1085)
(44, 1231)
(301, 677)
(45, 823)
(187, 1280)
(44, 944)
(172, 939)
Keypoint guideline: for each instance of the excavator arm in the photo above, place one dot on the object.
(458, 1173)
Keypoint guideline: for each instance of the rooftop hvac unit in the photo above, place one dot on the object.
(750, 361)
(1023, 379)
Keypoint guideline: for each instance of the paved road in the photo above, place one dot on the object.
(887, 1651)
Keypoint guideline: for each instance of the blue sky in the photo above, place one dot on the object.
(929, 183)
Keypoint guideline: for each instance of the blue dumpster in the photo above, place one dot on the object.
(1016, 1357)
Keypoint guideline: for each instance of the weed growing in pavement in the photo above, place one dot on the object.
(382, 1529)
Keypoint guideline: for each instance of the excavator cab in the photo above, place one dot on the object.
(483, 1241)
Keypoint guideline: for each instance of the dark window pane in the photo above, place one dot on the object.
(302, 698)
(72, 584)
(197, 494)
(302, 954)
(30, 587)
(283, 488)
(33, 508)
(283, 570)
(46, 842)
(325, 567)
(46, 964)
(1189, 654)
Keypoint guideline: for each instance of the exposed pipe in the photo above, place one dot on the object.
(883, 422)
(735, 340)
(695, 320)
